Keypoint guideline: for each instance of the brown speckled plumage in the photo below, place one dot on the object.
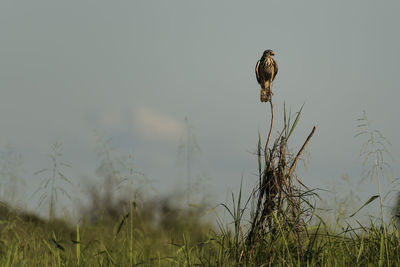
(266, 70)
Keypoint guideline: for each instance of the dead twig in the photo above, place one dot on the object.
(270, 129)
(301, 151)
(276, 193)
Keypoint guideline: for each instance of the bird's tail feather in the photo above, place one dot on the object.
(265, 95)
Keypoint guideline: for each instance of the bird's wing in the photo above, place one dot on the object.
(257, 71)
(275, 69)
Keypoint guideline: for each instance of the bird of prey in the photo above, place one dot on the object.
(266, 70)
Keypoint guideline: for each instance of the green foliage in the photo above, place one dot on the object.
(365, 204)
(289, 128)
(29, 241)
(132, 231)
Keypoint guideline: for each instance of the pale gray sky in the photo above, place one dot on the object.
(132, 70)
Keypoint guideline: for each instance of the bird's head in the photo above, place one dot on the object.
(269, 53)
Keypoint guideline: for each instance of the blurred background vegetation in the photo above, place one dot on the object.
(123, 220)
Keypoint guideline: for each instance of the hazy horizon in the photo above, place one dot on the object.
(133, 70)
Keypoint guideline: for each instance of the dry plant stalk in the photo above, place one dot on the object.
(276, 193)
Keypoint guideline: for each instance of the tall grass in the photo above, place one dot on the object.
(50, 187)
(274, 231)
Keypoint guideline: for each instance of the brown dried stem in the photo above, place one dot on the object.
(270, 129)
(275, 191)
(300, 151)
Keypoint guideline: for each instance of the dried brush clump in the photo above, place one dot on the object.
(280, 197)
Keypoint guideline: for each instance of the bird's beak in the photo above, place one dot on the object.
(272, 53)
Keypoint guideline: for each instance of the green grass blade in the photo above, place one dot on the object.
(365, 204)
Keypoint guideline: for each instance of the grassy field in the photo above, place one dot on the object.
(278, 225)
(177, 237)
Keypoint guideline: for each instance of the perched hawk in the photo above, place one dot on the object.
(266, 70)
